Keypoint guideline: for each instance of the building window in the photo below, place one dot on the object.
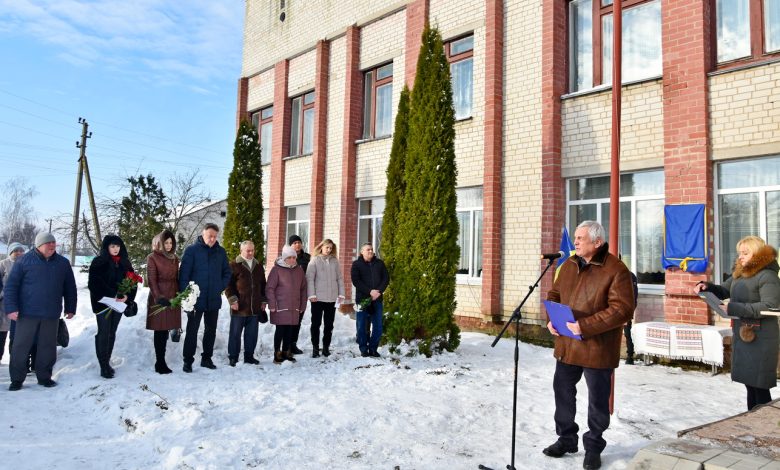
(298, 223)
(370, 223)
(266, 210)
(302, 126)
(378, 102)
(469, 208)
(263, 121)
(641, 218)
(748, 203)
(460, 54)
(590, 42)
(747, 29)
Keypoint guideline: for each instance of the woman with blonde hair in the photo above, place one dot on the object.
(753, 287)
(325, 285)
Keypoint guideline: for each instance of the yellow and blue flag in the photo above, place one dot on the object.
(567, 247)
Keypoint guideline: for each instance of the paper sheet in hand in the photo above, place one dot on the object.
(715, 304)
(113, 304)
(559, 315)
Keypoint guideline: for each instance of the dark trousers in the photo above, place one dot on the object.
(297, 328)
(629, 340)
(565, 388)
(160, 342)
(106, 335)
(249, 326)
(191, 335)
(284, 337)
(27, 329)
(757, 396)
(3, 336)
(318, 311)
(33, 346)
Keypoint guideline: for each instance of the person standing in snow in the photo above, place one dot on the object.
(370, 278)
(302, 258)
(106, 272)
(205, 263)
(162, 278)
(286, 293)
(39, 282)
(15, 250)
(597, 287)
(246, 294)
(325, 285)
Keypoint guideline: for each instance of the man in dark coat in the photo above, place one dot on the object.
(33, 295)
(246, 294)
(597, 287)
(302, 258)
(370, 278)
(205, 263)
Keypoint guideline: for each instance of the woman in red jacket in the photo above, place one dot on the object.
(162, 277)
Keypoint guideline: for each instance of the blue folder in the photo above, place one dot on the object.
(559, 315)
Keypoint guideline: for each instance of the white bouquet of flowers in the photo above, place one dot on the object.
(185, 299)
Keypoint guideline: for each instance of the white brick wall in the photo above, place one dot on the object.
(372, 159)
(383, 40)
(301, 74)
(261, 91)
(335, 132)
(297, 181)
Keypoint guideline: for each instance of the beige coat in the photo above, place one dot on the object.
(324, 279)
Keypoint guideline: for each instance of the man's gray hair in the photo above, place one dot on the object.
(246, 243)
(595, 230)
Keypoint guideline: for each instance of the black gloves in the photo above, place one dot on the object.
(164, 302)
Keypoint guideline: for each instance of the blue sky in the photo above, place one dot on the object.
(155, 79)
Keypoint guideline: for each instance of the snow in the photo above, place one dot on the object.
(344, 412)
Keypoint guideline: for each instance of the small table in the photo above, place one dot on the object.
(700, 343)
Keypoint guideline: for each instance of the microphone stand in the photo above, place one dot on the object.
(516, 318)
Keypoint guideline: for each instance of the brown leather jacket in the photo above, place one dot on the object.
(247, 287)
(601, 296)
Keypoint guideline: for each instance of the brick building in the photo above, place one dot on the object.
(700, 124)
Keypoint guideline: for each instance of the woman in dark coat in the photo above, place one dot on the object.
(286, 293)
(753, 287)
(105, 274)
(162, 277)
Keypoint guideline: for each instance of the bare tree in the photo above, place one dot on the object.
(190, 206)
(16, 210)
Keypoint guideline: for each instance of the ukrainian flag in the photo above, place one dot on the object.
(567, 247)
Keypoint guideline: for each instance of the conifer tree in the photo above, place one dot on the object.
(244, 219)
(141, 216)
(393, 194)
(426, 250)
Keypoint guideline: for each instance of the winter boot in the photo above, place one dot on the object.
(159, 351)
(278, 357)
(315, 353)
(326, 351)
(288, 355)
(294, 349)
(3, 336)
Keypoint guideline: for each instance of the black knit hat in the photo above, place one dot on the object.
(293, 239)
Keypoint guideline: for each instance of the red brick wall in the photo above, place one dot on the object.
(279, 149)
(416, 16)
(243, 95)
(320, 143)
(687, 56)
(553, 86)
(491, 187)
(353, 112)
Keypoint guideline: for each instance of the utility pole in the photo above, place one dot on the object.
(49, 221)
(83, 170)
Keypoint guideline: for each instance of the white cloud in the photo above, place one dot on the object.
(198, 40)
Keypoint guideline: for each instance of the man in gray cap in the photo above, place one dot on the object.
(15, 250)
(34, 294)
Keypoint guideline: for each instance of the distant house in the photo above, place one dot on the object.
(191, 223)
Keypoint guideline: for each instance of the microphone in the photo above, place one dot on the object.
(552, 256)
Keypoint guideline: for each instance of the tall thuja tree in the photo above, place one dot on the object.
(244, 219)
(427, 239)
(393, 194)
(141, 217)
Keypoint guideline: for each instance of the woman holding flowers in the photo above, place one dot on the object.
(326, 285)
(286, 294)
(111, 275)
(162, 277)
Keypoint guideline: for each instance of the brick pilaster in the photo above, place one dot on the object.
(687, 55)
(319, 155)
(280, 148)
(243, 96)
(353, 111)
(493, 160)
(417, 13)
(553, 86)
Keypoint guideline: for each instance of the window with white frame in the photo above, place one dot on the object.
(590, 26)
(641, 218)
(298, 223)
(266, 210)
(469, 209)
(263, 121)
(378, 102)
(747, 30)
(460, 54)
(302, 125)
(370, 213)
(748, 203)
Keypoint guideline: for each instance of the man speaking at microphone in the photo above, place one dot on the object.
(597, 287)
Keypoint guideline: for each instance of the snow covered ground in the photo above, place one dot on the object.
(342, 412)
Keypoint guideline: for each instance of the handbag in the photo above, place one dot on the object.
(63, 337)
(175, 335)
(132, 309)
(747, 331)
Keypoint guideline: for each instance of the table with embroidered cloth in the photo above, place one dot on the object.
(701, 343)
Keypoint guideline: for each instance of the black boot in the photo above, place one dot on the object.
(159, 351)
(105, 370)
(3, 336)
(294, 349)
(315, 352)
